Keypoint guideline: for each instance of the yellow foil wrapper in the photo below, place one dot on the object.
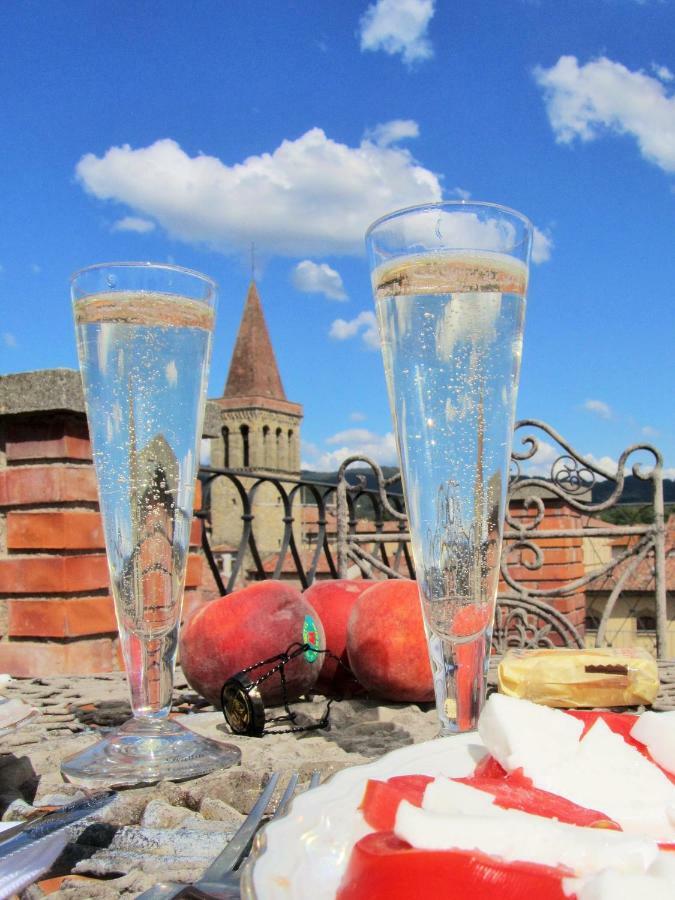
(580, 678)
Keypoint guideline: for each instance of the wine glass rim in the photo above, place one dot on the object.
(440, 204)
(131, 264)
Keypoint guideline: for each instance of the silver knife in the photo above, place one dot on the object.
(25, 833)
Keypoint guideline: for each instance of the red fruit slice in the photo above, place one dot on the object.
(381, 798)
(516, 791)
(489, 768)
(383, 867)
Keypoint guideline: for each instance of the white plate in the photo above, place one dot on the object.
(304, 855)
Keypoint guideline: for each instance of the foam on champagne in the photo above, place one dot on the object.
(450, 273)
(149, 308)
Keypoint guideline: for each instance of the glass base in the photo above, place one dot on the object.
(145, 751)
(460, 680)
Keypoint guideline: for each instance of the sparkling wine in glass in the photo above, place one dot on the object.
(449, 282)
(144, 341)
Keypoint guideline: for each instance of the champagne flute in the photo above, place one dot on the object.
(449, 282)
(144, 342)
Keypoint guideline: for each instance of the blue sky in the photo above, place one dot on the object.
(185, 131)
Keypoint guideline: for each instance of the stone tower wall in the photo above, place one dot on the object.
(273, 448)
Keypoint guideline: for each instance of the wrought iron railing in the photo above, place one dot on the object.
(358, 527)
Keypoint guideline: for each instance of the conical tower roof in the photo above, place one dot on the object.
(253, 381)
(253, 369)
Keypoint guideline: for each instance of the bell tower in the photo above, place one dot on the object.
(261, 428)
(260, 432)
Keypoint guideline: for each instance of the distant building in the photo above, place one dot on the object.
(632, 622)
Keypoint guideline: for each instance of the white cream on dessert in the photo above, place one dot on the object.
(519, 733)
(656, 730)
(516, 836)
(657, 883)
(443, 795)
(600, 771)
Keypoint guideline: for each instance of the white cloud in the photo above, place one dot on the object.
(398, 26)
(648, 431)
(582, 101)
(460, 193)
(364, 324)
(311, 196)
(391, 132)
(318, 278)
(353, 441)
(608, 466)
(669, 472)
(662, 72)
(133, 223)
(540, 464)
(9, 339)
(547, 454)
(542, 244)
(357, 416)
(599, 408)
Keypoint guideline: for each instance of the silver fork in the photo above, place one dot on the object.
(220, 881)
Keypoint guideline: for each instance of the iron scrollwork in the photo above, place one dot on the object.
(371, 536)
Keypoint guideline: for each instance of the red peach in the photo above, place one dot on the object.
(333, 600)
(387, 645)
(233, 632)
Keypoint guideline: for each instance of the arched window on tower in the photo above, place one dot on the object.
(244, 445)
(226, 447)
(290, 456)
(278, 448)
(266, 445)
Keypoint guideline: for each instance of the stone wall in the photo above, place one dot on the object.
(56, 610)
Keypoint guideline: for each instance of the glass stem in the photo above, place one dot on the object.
(150, 663)
(460, 679)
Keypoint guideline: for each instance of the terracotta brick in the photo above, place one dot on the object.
(62, 530)
(559, 542)
(86, 573)
(568, 605)
(118, 655)
(551, 513)
(196, 533)
(27, 485)
(73, 617)
(193, 577)
(52, 437)
(53, 574)
(36, 658)
(549, 523)
(69, 574)
(32, 575)
(37, 618)
(198, 494)
(192, 601)
(552, 555)
(550, 574)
